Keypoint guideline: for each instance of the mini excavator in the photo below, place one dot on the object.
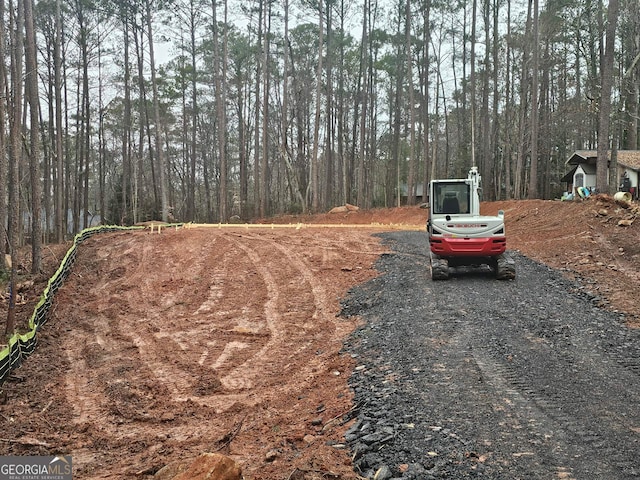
(459, 236)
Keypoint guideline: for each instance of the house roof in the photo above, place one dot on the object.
(588, 169)
(626, 158)
(631, 159)
(569, 176)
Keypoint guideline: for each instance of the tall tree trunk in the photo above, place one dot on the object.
(220, 85)
(82, 180)
(102, 165)
(508, 117)
(191, 183)
(15, 125)
(186, 133)
(498, 167)
(535, 116)
(344, 162)
(329, 167)
(579, 137)
(61, 214)
(487, 166)
(264, 164)
(411, 180)
(393, 169)
(127, 177)
(631, 77)
(633, 105)
(79, 125)
(257, 181)
(425, 103)
(4, 150)
(315, 167)
(435, 162)
(363, 83)
(371, 119)
(633, 101)
(242, 141)
(34, 136)
(472, 81)
(604, 118)
(156, 114)
(143, 131)
(519, 174)
(285, 150)
(48, 152)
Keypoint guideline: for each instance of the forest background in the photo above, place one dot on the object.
(123, 111)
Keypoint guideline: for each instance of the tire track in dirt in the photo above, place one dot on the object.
(555, 407)
(85, 402)
(175, 339)
(148, 340)
(133, 332)
(209, 333)
(522, 413)
(294, 312)
(239, 378)
(89, 341)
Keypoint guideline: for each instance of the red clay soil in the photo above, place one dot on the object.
(165, 345)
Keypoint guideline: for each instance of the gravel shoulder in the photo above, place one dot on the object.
(474, 377)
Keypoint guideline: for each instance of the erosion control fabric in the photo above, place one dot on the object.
(22, 345)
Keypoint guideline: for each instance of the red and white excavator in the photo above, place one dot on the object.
(459, 235)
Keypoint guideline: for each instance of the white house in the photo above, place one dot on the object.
(583, 172)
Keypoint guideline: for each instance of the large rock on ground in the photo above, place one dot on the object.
(341, 209)
(208, 466)
(346, 208)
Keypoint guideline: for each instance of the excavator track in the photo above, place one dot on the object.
(505, 267)
(439, 267)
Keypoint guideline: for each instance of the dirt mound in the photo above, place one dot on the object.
(586, 240)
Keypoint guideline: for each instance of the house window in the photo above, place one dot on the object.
(579, 180)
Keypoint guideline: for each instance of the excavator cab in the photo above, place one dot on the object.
(450, 204)
(451, 198)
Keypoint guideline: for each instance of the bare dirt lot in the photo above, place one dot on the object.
(164, 346)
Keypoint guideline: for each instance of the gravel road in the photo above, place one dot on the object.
(474, 377)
